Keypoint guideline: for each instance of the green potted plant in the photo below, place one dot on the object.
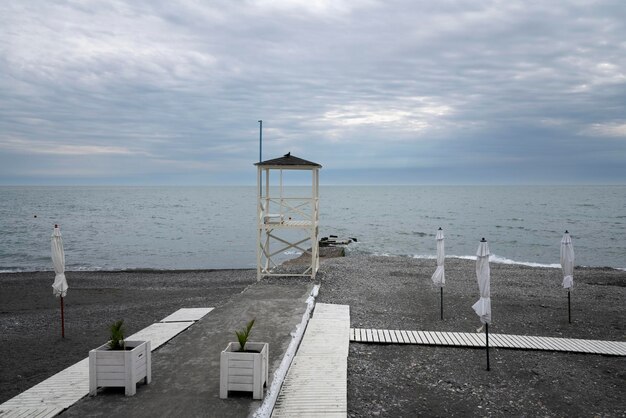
(119, 363)
(244, 365)
(116, 340)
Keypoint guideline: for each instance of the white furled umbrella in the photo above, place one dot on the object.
(567, 264)
(567, 261)
(483, 306)
(59, 287)
(439, 276)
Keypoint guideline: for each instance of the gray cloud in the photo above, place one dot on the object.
(149, 92)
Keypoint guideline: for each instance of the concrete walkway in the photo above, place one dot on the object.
(185, 371)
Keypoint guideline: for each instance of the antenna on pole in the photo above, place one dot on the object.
(260, 140)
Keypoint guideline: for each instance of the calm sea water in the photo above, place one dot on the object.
(114, 228)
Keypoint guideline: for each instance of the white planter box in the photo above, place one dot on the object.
(244, 371)
(120, 368)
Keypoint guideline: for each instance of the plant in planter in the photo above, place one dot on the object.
(116, 341)
(244, 334)
(243, 365)
(119, 363)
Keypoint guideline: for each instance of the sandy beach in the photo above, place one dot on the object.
(383, 292)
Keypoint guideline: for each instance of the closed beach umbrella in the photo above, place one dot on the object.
(567, 261)
(483, 306)
(567, 264)
(59, 287)
(439, 277)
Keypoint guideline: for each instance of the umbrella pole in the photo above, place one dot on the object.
(487, 343)
(62, 320)
(441, 303)
(569, 310)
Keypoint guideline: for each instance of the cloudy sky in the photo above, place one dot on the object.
(390, 92)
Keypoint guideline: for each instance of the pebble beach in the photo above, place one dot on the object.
(412, 380)
(30, 319)
(383, 292)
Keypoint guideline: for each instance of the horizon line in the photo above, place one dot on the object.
(327, 185)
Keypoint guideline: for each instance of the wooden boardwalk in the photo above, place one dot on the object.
(57, 393)
(187, 314)
(471, 339)
(317, 381)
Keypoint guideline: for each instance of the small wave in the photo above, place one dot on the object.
(9, 269)
(425, 257)
(493, 258)
(16, 270)
(86, 268)
(383, 255)
(416, 233)
(68, 269)
(292, 252)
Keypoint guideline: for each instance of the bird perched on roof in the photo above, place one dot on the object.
(288, 154)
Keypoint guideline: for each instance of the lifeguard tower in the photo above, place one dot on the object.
(287, 218)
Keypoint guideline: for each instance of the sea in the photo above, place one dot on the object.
(119, 228)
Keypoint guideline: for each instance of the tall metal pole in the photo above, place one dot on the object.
(260, 140)
(569, 310)
(261, 157)
(62, 320)
(487, 343)
(441, 288)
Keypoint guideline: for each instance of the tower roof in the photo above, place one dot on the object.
(288, 160)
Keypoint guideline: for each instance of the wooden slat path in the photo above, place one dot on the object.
(471, 339)
(57, 393)
(52, 396)
(317, 381)
(160, 332)
(187, 314)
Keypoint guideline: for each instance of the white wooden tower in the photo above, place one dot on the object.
(287, 221)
